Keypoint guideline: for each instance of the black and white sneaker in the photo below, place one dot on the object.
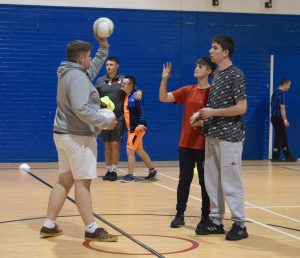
(210, 228)
(236, 233)
(151, 174)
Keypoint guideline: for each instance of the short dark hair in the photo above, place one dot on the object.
(76, 48)
(113, 58)
(284, 81)
(131, 78)
(226, 42)
(207, 62)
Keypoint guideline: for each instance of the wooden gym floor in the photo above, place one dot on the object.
(141, 212)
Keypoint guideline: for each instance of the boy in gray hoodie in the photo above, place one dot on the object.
(77, 121)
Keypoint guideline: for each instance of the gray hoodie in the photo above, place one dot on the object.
(78, 108)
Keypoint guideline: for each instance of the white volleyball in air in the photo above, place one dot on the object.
(103, 27)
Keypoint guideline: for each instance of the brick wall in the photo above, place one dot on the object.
(33, 41)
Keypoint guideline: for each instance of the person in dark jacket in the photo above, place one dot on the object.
(280, 122)
(110, 85)
(136, 126)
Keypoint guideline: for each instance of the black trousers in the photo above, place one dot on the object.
(187, 160)
(280, 139)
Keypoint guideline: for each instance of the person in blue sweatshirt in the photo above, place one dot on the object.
(136, 126)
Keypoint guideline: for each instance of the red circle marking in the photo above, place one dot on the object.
(194, 245)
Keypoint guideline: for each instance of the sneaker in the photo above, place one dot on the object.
(210, 228)
(51, 232)
(290, 159)
(236, 233)
(276, 160)
(177, 222)
(113, 176)
(128, 178)
(110, 176)
(106, 176)
(100, 235)
(202, 224)
(151, 174)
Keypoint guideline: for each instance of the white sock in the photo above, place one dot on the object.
(109, 168)
(91, 227)
(114, 167)
(49, 223)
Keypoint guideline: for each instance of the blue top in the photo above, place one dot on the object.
(136, 112)
(278, 98)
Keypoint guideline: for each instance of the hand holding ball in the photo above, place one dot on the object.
(103, 27)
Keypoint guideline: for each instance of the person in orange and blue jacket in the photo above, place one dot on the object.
(136, 126)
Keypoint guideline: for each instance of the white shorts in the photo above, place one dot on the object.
(78, 154)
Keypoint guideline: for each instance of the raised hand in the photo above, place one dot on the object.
(167, 68)
(102, 41)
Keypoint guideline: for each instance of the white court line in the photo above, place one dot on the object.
(272, 212)
(290, 169)
(247, 203)
(276, 207)
(254, 206)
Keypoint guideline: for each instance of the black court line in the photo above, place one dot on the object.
(107, 214)
(34, 218)
(294, 229)
(135, 214)
(105, 221)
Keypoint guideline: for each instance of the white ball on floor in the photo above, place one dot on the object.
(24, 167)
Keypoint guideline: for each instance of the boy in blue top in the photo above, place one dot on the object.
(136, 127)
(280, 122)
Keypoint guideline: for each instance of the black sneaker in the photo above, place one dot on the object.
(210, 228)
(113, 176)
(276, 160)
(107, 175)
(151, 174)
(290, 159)
(236, 233)
(177, 222)
(110, 176)
(202, 224)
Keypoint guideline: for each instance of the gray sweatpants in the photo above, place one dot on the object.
(223, 179)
